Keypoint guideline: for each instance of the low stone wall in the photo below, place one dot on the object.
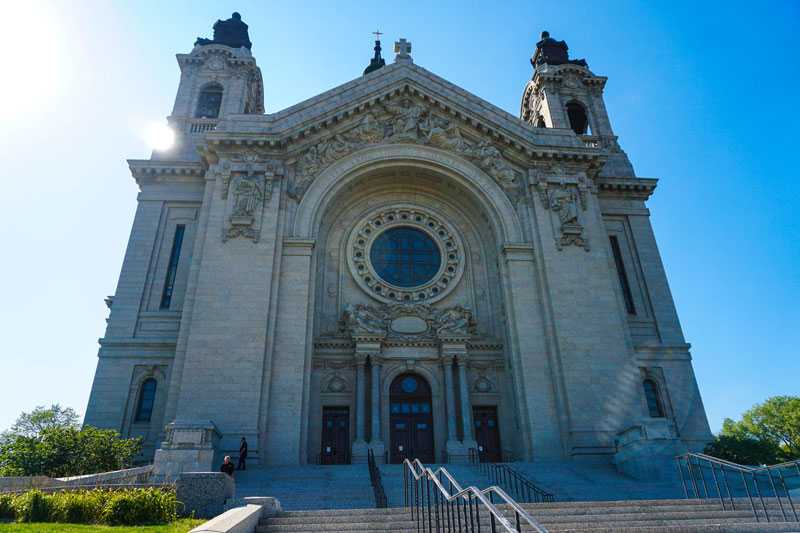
(129, 476)
(14, 484)
(204, 493)
(239, 520)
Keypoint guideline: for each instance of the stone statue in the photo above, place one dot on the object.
(565, 203)
(245, 198)
(231, 32)
(408, 116)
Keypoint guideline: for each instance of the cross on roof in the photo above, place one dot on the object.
(377, 34)
(402, 48)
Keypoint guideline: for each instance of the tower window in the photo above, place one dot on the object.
(209, 102)
(540, 122)
(578, 119)
(654, 406)
(147, 397)
(172, 269)
(623, 276)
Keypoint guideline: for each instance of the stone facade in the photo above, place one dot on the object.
(551, 303)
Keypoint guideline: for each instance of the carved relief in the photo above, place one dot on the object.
(564, 196)
(247, 184)
(376, 321)
(403, 121)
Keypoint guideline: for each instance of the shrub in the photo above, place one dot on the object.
(79, 507)
(6, 507)
(33, 506)
(139, 507)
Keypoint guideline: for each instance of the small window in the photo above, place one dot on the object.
(578, 119)
(540, 122)
(209, 101)
(654, 407)
(147, 397)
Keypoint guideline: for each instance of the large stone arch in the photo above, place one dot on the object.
(489, 194)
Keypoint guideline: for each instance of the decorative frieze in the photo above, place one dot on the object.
(406, 120)
(390, 321)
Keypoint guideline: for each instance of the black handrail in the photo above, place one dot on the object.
(436, 507)
(375, 479)
(512, 481)
(706, 477)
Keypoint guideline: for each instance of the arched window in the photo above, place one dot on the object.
(654, 406)
(209, 101)
(578, 119)
(147, 397)
(540, 122)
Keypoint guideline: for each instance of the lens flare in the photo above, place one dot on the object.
(159, 136)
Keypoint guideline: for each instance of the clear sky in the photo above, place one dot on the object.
(703, 95)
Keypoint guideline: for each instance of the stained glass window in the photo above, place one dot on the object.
(405, 257)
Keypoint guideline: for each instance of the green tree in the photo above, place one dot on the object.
(49, 442)
(32, 424)
(768, 433)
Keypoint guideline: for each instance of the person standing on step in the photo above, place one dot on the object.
(227, 466)
(242, 455)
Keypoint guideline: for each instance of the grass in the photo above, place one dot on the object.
(181, 526)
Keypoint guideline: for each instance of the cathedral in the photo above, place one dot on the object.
(394, 266)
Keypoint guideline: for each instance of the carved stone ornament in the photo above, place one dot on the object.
(365, 233)
(367, 321)
(246, 185)
(564, 196)
(403, 121)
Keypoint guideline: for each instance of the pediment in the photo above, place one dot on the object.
(325, 112)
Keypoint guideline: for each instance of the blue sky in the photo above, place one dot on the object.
(702, 96)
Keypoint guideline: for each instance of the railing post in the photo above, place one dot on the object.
(760, 497)
(777, 496)
(683, 481)
(788, 495)
(716, 484)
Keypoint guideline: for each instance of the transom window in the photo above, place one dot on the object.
(405, 257)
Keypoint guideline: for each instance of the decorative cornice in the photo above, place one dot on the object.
(144, 169)
(641, 188)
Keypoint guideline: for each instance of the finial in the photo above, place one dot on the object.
(377, 61)
(403, 50)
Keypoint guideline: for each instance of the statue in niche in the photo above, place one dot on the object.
(245, 198)
(363, 319)
(455, 321)
(565, 203)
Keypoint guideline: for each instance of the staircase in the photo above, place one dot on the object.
(643, 516)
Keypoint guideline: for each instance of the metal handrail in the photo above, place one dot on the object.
(515, 482)
(375, 479)
(759, 486)
(448, 504)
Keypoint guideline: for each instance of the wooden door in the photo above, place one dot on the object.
(335, 436)
(411, 419)
(487, 433)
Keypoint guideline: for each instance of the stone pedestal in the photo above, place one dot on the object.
(189, 447)
(358, 453)
(203, 494)
(647, 450)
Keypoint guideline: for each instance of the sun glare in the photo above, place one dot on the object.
(40, 66)
(159, 136)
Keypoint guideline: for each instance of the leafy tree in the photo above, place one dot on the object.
(49, 442)
(768, 433)
(32, 424)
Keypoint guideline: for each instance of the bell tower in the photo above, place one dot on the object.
(564, 93)
(219, 77)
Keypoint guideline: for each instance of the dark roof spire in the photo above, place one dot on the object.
(377, 61)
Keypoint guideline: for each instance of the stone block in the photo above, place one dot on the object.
(647, 451)
(237, 520)
(204, 493)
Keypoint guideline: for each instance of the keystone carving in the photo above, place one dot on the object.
(403, 121)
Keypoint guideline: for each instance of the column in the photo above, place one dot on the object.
(466, 405)
(450, 398)
(360, 403)
(376, 400)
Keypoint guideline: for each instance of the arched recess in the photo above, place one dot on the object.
(325, 188)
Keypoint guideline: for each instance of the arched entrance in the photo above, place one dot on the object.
(410, 419)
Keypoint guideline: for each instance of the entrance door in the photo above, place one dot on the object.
(487, 433)
(411, 421)
(335, 436)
